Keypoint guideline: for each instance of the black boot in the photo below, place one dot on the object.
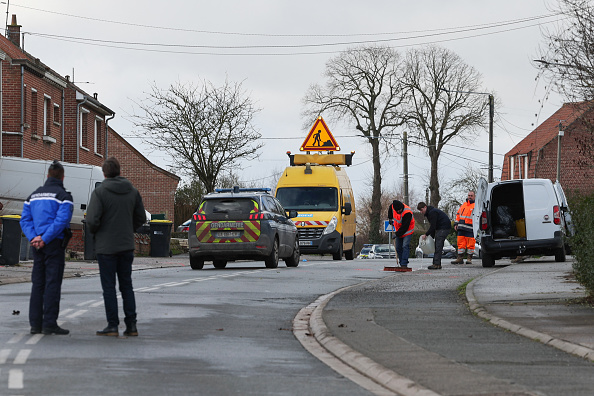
(131, 330)
(55, 330)
(109, 331)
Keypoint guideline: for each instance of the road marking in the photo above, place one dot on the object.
(97, 304)
(15, 379)
(85, 303)
(66, 311)
(16, 338)
(4, 354)
(21, 357)
(34, 339)
(77, 313)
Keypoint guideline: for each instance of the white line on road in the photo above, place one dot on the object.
(77, 313)
(21, 357)
(17, 338)
(66, 311)
(4, 354)
(15, 379)
(85, 303)
(34, 339)
(98, 303)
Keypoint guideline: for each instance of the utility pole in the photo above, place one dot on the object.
(561, 133)
(491, 115)
(405, 164)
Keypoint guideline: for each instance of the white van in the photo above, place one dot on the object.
(19, 177)
(521, 217)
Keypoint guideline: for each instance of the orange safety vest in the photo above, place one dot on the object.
(398, 220)
(464, 216)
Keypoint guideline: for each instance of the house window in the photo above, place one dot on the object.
(57, 115)
(98, 135)
(83, 128)
(47, 116)
(34, 125)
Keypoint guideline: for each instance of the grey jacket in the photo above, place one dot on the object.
(115, 211)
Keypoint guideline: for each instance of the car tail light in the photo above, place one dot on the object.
(257, 216)
(556, 215)
(484, 224)
(199, 217)
(186, 229)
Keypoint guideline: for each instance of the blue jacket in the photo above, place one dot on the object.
(47, 212)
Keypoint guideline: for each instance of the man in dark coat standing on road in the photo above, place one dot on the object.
(45, 221)
(115, 212)
(440, 226)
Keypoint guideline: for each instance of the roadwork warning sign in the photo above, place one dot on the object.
(319, 138)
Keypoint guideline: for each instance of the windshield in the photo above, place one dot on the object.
(365, 250)
(229, 206)
(308, 198)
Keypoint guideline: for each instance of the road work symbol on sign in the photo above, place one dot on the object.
(319, 138)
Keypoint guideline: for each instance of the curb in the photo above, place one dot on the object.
(565, 346)
(308, 324)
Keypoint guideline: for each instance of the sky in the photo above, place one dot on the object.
(277, 49)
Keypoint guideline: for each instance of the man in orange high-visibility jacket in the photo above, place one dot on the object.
(463, 226)
(401, 217)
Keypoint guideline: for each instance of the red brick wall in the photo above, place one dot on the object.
(156, 186)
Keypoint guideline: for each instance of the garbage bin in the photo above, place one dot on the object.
(11, 240)
(89, 243)
(26, 249)
(160, 237)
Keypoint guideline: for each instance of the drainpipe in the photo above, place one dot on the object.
(62, 128)
(22, 109)
(107, 134)
(78, 126)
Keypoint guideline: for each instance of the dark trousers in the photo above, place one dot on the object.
(440, 237)
(46, 279)
(120, 265)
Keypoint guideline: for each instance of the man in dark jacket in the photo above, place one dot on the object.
(440, 226)
(46, 216)
(115, 211)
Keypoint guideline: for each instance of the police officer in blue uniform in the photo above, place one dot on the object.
(45, 221)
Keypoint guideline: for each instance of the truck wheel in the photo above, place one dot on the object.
(488, 260)
(220, 264)
(293, 259)
(196, 263)
(560, 255)
(272, 260)
(337, 255)
(350, 254)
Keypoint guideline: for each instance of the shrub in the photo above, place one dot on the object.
(582, 243)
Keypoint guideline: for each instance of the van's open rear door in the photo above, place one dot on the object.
(479, 203)
(569, 229)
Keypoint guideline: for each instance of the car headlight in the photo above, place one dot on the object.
(331, 226)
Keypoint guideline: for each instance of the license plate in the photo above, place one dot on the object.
(305, 243)
(228, 234)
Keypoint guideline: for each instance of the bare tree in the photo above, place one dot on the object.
(363, 88)
(567, 60)
(441, 103)
(205, 129)
(459, 187)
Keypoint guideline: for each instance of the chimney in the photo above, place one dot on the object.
(14, 32)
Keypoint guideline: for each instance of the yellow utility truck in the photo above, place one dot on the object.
(318, 188)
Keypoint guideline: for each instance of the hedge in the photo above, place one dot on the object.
(582, 243)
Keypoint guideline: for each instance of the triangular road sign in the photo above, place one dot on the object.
(319, 138)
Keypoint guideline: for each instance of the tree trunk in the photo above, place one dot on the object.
(434, 180)
(376, 196)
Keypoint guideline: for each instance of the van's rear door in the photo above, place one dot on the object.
(539, 200)
(479, 204)
(566, 216)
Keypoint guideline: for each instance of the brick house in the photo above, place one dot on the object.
(44, 115)
(536, 155)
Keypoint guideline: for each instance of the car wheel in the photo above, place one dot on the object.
(220, 264)
(338, 255)
(293, 259)
(560, 255)
(196, 263)
(272, 260)
(488, 260)
(350, 254)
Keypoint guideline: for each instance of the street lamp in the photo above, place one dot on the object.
(491, 115)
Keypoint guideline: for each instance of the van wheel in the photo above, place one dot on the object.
(350, 254)
(337, 255)
(488, 260)
(220, 264)
(293, 259)
(272, 260)
(560, 255)
(196, 263)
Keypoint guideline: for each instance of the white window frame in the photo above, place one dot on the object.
(96, 133)
(80, 127)
(47, 101)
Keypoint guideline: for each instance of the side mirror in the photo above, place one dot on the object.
(292, 214)
(347, 209)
